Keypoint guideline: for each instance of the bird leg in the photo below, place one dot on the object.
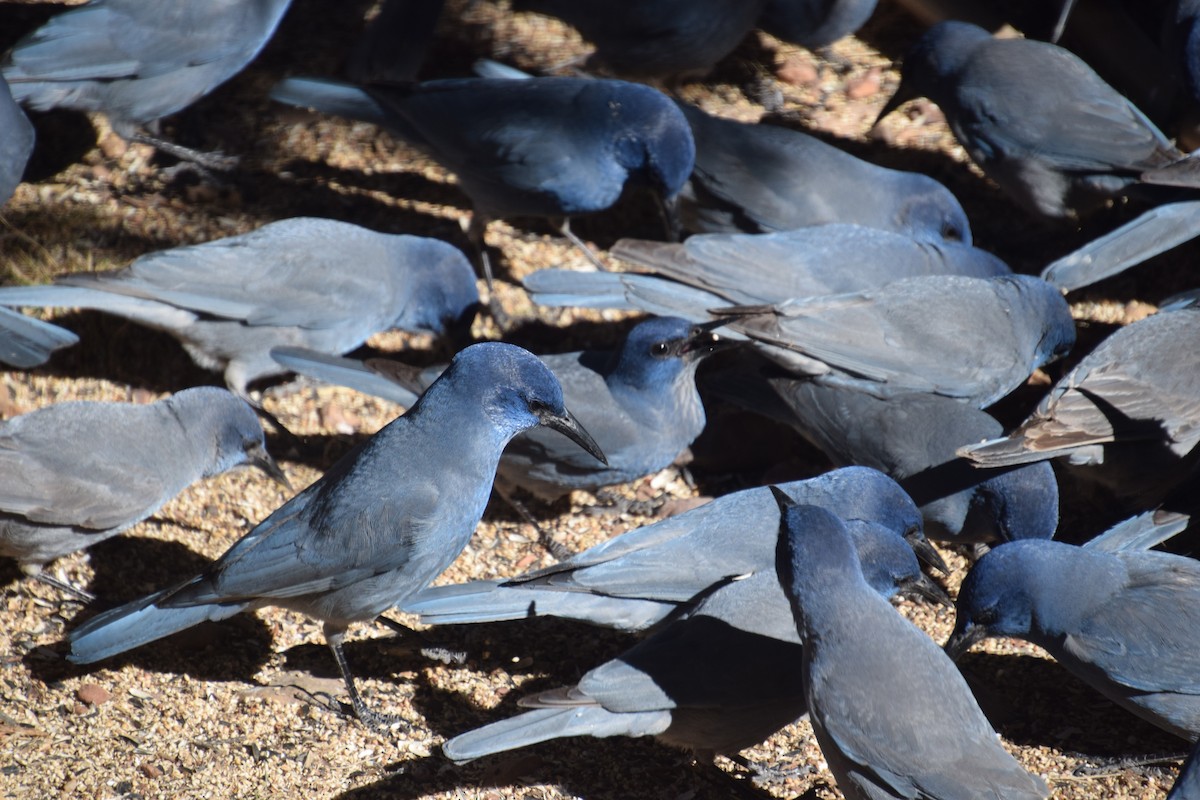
(374, 720)
(557, 550)
(422, 645)
(587, 251)
(65, 587)
(475, 230)
(1115, 766)
(207, 163)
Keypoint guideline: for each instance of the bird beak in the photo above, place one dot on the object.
(568, 426)
(259, 457)
(703, 342)
(963, 637)
(926, 588)
(903, 94)
(926, 551)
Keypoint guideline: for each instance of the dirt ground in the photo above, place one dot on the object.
(227, 710)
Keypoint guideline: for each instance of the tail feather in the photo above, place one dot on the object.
(1156, 231)
(1006, 451)
(342, 372)
(149, 312)
(330, 97)
(1141, 532)
(28, 342)
(489, 601)
(138, 623)
(543, 724)
(564, 287)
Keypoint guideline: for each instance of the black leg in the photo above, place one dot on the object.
(372, 719)
(215, 162)
(64, 587)
(557, 550)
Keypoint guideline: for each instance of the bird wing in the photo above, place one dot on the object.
(273, 277)
(101, 480)
(1145, 637)
(304, 549)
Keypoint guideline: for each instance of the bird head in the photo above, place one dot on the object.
(660, 349)
(652, 138)
(227, 426)
(445, 296)
(928, 67)
(995, 598)
(890, 565)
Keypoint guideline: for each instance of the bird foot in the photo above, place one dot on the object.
(72, 591)
(1104, 767)
(417, 642)
(374, 720)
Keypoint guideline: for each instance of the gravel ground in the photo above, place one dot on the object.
(228, 710)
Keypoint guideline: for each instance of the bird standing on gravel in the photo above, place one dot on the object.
(893, 716)
(137, 62)
(720, 678)
(540, 147)
(78, 473)
(1058, 139)
(643, 576)
(765, 178)
(639, 402)
(1127, 622)
(316, 283)
(382, 523)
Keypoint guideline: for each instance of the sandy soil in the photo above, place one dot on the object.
(227, 710)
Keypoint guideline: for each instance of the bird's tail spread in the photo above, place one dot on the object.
(543, 724)
(330, 97)
(138, 623)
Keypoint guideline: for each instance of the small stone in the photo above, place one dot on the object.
(866, 85)
(797, 71)
(93, 694)
(151, 770)
(113, 146)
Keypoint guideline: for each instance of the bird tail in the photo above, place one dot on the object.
(1184, 173)
(343, 372)
(1156, 231)
(1141, 532)
(27, 342)
(543, 724)
(566, 287)
(491, 601)
(144, 310)
(330, 97)
(1008, 451)
(138, 623)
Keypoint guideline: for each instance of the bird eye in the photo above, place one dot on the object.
(538, 407)
(951, 233)
(659, 349)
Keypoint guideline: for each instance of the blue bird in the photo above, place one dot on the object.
(893, 716)
(766, 178)
(718, 679)
(1037, 120)
(81, 472)
(16, 143)
(641, 577)
(138, 62)
(711, 270)
(1125, 621)
(381, 523)
(1187, 785)
(542, 147)
(320, 283)
(639, 402)
(1126, 417)
(912, 437)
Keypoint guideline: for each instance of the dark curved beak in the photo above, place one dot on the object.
(903, 94)
(702, 342)
(568, 426)
(963, 638)
(259, 457)
(925, 587)
(926, 552)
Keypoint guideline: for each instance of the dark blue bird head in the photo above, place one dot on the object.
(869, 495)
(660, 350)
(652, 138)
(814, 552)
(1030, 589)
(1019, 504)
(927, 68)
(889, 564)
(930, 213)
(444, 297)
(515, 390)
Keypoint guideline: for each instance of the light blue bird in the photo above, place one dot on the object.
(381, 524)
